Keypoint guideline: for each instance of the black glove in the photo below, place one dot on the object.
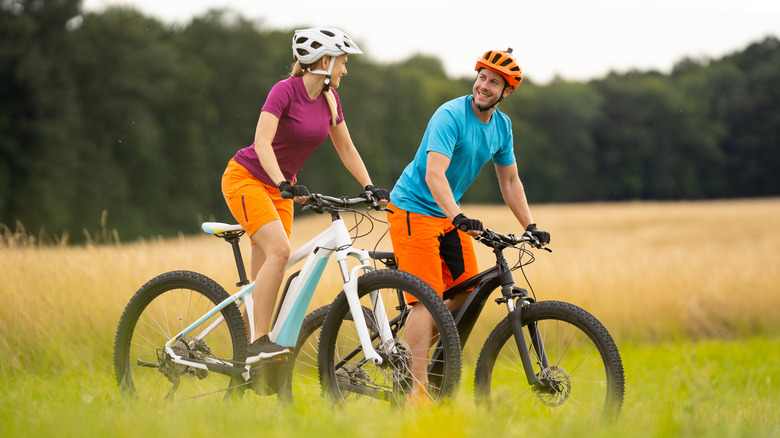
(542, 236)
(463, 223)
(378, 193)
(289, 191)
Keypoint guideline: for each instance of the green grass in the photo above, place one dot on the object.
(702, 389)
(668, 298)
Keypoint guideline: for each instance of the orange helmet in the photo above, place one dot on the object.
(503, 63)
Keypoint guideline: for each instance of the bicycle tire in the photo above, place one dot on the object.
(346, 375)
(158, 311)
(587, 385)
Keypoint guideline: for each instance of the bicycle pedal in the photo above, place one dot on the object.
(269, 374)
(279, 359)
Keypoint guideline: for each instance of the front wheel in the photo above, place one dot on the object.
(582, 365)
(161, 309)
(421, 363)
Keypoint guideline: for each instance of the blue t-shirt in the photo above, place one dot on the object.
(456, 132)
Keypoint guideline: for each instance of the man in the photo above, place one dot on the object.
(432, 237)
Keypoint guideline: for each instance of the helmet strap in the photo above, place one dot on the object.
(327, 74)
(488, 108)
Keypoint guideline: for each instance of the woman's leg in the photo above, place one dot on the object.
(270, 251)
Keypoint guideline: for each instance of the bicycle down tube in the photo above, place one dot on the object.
(301, 289)
(285, 331)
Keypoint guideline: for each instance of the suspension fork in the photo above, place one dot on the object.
(516, 321)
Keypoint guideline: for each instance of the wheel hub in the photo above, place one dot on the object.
(398, 359)
(188, 348)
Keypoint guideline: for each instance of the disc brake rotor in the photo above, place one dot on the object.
(559, 386)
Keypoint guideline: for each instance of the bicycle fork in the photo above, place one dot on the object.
(356, 309)
(515, 319)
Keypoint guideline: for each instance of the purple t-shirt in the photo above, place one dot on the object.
(303, 126)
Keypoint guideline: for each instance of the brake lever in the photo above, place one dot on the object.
(535, 243)
(375, 205)
(313, 204)
(379, 207)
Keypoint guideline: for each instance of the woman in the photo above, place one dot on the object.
(298, 115)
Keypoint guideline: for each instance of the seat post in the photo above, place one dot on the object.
(233, 239)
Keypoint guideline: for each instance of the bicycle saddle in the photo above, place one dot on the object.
(217, 228)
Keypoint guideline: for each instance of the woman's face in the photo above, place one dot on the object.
(339, 70)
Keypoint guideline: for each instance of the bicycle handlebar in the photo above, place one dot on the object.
(492, 238)
(321, 203)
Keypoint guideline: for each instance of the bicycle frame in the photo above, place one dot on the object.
(334, 241)
(483, 284)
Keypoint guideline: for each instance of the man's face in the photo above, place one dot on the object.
(488, 88)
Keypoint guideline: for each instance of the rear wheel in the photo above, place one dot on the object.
(347, 375)
(160, 310)
(583, 365)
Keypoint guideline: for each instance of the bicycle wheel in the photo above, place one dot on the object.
(583, 365)
(346, 374)
(161, 309)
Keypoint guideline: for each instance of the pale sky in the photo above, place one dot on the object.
(575, 39)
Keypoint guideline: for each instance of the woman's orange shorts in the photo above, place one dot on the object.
(252, 202)
(431, 248)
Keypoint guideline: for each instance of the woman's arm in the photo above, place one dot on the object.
(348, 153)
(264, 135)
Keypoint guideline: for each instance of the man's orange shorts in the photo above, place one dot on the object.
(432, 248)
(252, 202)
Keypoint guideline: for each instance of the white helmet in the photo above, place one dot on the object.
(309, 45)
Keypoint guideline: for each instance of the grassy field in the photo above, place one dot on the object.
(689, 291)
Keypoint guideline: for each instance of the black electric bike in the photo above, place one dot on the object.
(545, 358)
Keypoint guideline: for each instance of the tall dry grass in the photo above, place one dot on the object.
(648, 271)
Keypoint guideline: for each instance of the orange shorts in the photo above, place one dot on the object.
(431, 248)
(252, 202)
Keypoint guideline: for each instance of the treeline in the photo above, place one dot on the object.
(117, 112)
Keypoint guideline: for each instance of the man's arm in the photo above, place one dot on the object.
(514, 194)
(436, 179)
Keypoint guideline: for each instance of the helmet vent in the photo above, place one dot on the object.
(496, 57)
(309, 45)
